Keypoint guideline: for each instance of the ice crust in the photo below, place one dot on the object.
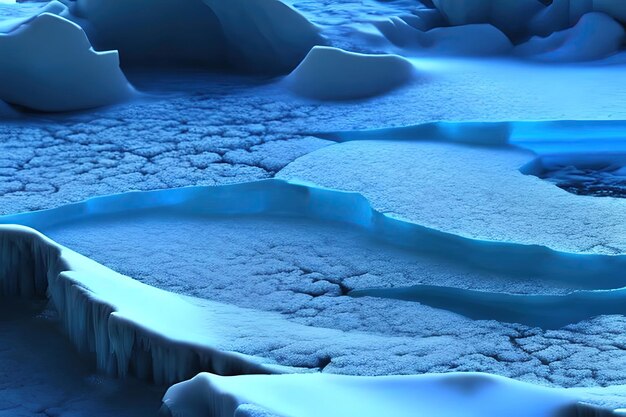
(59, 70)
(358, 344)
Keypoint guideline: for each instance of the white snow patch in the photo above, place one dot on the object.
(476, 192)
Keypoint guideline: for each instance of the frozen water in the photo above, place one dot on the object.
(477, 192)
(374, 336)
(191, 128)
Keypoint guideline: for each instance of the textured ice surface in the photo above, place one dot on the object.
(194, 129)
(374, 336)
(61, 71)
(602, 180)
(472, 191)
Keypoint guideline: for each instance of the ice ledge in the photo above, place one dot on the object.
(122, 322)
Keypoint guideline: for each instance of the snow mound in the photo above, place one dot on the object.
(474, 39)
(47, 64)
(510, 16)
(314, 395)
(595, 36)
(256, 36)
(334, 74)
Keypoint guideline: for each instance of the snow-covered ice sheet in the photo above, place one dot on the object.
(324, 329)
(199, 129)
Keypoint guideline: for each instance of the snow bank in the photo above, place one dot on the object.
(473, 39)
(47, 64)
(595, 36)
(315, 395)
(255, 36)
(333, 74)
(510, 16)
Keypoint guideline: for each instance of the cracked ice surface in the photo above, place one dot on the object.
(202, 130)
(373, 337)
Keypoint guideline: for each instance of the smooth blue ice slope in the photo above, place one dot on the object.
(334, 74)
(59, 70)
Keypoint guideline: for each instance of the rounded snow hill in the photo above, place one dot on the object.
(47, 64)
(334, 74)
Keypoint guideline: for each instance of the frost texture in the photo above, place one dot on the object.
(59, 69)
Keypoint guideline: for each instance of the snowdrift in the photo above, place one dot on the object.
(571, 27)
(510, 16)
(264, 36)
(595, 36)
(333, 74)
(47, 64)
(466, 40)
(314, 395)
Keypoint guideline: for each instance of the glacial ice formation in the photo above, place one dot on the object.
(595, 36)
(333, 74)
(59, 70)
(253, 36)
(315, 395)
